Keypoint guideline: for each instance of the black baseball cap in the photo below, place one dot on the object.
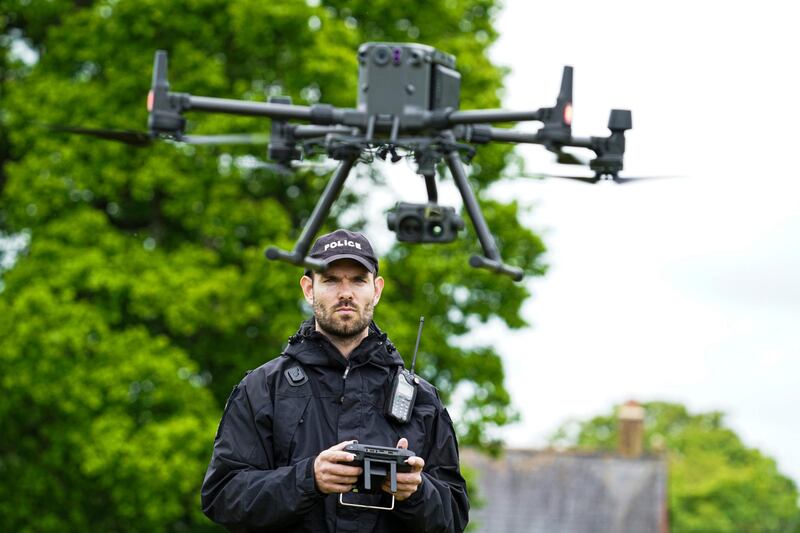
(344, 244)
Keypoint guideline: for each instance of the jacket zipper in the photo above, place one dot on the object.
(344, 379)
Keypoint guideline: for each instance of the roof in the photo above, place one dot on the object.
(548, 491)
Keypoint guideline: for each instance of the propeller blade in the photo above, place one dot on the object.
(133, 138)
(277, 168)
(622, 180)
(233, 138)
(249, 162)
(584, 179)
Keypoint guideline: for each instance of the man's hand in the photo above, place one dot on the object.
(330, 475)
(407, 483)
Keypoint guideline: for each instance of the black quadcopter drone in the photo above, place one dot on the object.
(408, 106)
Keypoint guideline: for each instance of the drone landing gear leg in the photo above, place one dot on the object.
(491, 259)
(299, 256)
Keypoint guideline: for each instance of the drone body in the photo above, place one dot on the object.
(403, 80)
(408, 103)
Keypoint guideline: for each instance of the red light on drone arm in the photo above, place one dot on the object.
(568, 114)
(150, 97)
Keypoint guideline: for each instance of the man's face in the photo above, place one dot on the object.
(343, 298)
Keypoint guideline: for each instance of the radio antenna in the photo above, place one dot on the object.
(419, 336)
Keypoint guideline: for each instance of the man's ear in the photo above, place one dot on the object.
(378, 290)
(307, 284)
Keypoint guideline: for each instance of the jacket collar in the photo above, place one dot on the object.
(310, 347)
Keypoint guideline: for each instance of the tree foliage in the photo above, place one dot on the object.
(716, 483)
(144, 295)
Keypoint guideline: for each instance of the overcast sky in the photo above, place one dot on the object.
(687, 289)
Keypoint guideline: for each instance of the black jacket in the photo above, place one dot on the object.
(261, 473)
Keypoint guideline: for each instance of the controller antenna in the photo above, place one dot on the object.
(416, 347)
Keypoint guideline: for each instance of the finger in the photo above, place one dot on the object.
(402, 443)
(406, 482)
(328, 484)
(386, 487)
(411, 477)
(416, 463)
(338, 469)
(339, 488)
(407, 487)
(342, 480)
(401, 494)
(337, 456)
(341, 445)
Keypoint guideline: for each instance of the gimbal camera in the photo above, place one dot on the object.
(408, 106)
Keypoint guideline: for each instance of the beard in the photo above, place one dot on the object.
(344, 327)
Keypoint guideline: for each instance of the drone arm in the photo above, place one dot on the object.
(306, 131)
(503, 135)
(322, 114)
(244, 107)
(481, 134)
(483, 116)
(299, 256)
(491, 259)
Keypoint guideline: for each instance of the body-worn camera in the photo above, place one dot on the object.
(430, 223)
(404, 78)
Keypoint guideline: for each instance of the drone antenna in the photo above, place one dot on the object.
(557, 129)
(416, 347)
(564, 100)
(566, 85)
(160, 70)
(165, 115)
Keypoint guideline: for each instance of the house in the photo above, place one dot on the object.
(549, 491)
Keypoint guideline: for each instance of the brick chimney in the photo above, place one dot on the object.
(631, 429)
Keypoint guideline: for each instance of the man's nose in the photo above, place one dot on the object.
(346, 290)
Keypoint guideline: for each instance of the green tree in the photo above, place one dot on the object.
(143, 294)
(716, 483)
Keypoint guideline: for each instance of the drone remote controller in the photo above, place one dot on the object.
(379, 463)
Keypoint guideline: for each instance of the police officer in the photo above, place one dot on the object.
(279, 462)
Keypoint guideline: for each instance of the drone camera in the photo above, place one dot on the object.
(424, 223)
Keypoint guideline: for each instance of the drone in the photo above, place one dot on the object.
(408, 106)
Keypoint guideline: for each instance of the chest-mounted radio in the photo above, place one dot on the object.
(400, 403)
